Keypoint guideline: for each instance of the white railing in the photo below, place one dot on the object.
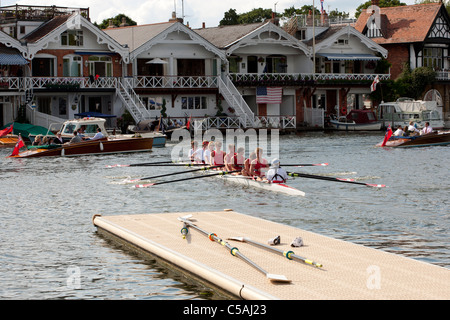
(132, 102)
(443, 75)
(276, 122)
(38, 118)
(287, 79)
(175, 82)
(66, 83)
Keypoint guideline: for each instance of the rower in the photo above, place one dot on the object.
(194, 146)
(258, 164)
(247, 165)
(229, 157)
(276, 174)
(208, 152)
(238, 161)
(199, 154)
(217, 155)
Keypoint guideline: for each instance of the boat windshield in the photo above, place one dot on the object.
(69, 128)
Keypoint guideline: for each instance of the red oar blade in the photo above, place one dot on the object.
(143, 185)
(376, 185)
(118, 166)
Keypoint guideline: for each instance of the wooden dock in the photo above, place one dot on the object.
(349, 271)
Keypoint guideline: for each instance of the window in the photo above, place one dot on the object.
(45, 105)
(72, 66)
(100, 65)
(194, 103)
(432, 57)
(234, 64)
(341, 42)
(72, 38)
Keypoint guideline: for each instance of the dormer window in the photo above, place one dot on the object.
(72, 38)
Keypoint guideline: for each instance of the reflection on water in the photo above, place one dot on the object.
(47, 206)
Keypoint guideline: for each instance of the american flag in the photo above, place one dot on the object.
(269, 94)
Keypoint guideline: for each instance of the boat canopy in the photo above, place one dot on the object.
(25, 130)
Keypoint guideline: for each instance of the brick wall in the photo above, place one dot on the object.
(398, 56)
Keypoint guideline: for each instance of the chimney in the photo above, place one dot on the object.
(124, 22)
(111, 24)
(275, 20)
(203, 25)
(174, 18)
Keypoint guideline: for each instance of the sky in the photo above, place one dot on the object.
(196, 11)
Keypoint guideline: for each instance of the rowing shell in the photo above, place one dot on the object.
(265, 185)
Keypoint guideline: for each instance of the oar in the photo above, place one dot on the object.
(233, 250)
(172, 174)
(138, 164)
(221, 173)
(288, 254)
(310, 176)
(305, 165)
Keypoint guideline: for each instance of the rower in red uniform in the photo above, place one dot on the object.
(229, 157)
(259, 165)
(217, 155)
(247, 165)
(238, 161)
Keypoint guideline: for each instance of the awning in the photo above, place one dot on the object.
(95, 53)
(95, 115)
(11, 57)
(349, 56)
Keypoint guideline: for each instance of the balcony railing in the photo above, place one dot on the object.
(295, 79)
(61, 83)
(161, 82)
(443, 75)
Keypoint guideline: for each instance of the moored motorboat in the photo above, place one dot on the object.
(8, 141)
(427, 140)
(90, 147)
(357, 120)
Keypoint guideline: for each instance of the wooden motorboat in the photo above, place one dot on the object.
(8, 141)
(427, 140)
(89, 147)
(357, 120)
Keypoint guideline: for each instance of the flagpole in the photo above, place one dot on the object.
(314, 37)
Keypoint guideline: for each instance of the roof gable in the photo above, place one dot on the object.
(51, 31)
(403, 24)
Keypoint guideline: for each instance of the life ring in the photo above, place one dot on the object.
(344, 110)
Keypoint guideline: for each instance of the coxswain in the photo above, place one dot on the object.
(276, 174)
(258, 165)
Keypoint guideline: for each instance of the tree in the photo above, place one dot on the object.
(255, 15)
(117, 21)
(230, 18)
(382, 4)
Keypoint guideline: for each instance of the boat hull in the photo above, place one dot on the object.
(344, 126)
(429, 140)
(92, 148)
(8, 141)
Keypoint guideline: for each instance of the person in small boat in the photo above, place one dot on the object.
(99, 135)
(399, 132)
(45, 141)
(194, 147)
(58, 139)
(427, 129)
(229, 157)
(200, 154)
(276, 174)
(259, 165)
(412, 129)
(247, 165)
(37, 140)
(75, 139)
(217, 155)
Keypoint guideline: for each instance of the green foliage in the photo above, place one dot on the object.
(383, 3)
(253, 16)
(163, 109)
(117, 21)
(230, 18)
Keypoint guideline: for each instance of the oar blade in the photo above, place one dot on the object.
(147, 185)
(376, 185)
(277, 278)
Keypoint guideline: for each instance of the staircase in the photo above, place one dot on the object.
(132, 101)
(237, 102)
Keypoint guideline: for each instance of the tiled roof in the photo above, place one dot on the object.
(224, 36)
(403, 24)
(325, 35)
(46, 28)
(136, 36)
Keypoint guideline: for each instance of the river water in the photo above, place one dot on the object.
(48, 240)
